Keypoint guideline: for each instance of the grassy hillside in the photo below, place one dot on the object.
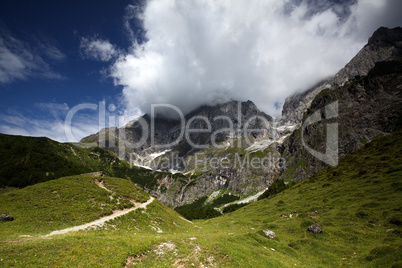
(71, 201)
(65, 202)
(355, 203)
(29, 160)
(358, 204)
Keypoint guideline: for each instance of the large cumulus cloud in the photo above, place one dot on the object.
(209, 51)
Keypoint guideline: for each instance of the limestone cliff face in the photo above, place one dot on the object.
(178, 192)
(239, 163)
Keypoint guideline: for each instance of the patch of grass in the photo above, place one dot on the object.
(7, 189)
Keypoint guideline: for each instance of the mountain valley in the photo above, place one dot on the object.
(224, 186)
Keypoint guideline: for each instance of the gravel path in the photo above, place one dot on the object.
(101, 221)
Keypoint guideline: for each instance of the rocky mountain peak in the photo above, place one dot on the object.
(384, 36)
(233, 109)
(384, 45)
(226, 120)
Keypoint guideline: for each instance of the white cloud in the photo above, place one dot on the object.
(204, 51)
(20, 60)
(55, 109)
(98, 49)
(52, 52)
(62, 123)
(54, 128)
(133, 22)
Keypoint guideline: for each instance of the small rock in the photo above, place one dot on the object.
(315, 229)
(269, 233)
(390, 230)
(5, 217)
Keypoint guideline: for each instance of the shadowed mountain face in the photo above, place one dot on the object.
(368, 108)
(203, 126)
(365, 101)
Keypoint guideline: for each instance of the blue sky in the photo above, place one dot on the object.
(52, 74)
(125, 55)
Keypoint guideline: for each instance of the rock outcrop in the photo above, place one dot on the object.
(269, 233)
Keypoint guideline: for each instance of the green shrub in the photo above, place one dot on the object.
(275, 188)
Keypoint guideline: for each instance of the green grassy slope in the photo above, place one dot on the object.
(65, 202)
(355, 203)
(29, 160)
(71, 201)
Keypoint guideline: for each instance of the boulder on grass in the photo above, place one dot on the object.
(5, 217)
(269, 233)
(315, 228)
